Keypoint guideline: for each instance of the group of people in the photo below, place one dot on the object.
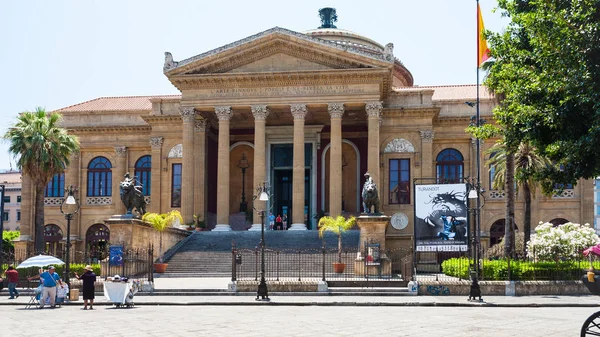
(277, 223)
(50, 281)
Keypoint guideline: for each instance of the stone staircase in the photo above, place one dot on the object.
(208, 254)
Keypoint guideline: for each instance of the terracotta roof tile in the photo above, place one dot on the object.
(452, 92)
(125, 103)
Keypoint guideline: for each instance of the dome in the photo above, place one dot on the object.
(345, 37)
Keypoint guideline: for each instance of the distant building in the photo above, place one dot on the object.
(12, 200)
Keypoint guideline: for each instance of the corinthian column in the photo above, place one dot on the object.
(188, 115)
(120, 170)
(298, 112)
(260, 113)
(336, 111)
(201, 127)
(373, 110)
(224, 115)
(155, 191)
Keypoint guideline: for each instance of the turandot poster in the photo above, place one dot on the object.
(441, 221)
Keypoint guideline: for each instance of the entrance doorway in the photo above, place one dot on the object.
(282, 181)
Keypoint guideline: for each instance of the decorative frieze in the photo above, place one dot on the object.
(121, 151)
(201, 125)
(53, 201)
(399, 145)
(98, 201)
(260, 112)
(156, 142)
(427, 136)
(188, 114)
(298, 111)
(223, 113)
(336, 110)
(373, 109)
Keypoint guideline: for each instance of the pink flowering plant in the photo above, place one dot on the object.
(564, 241)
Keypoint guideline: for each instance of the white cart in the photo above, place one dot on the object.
(121, 293)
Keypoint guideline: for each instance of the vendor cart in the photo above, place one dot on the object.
(121, 293)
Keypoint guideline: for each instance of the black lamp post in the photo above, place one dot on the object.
(262, 194)
(477, 201)
(69, 207)
(243, 164)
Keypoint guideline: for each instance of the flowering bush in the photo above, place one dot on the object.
(564, 241)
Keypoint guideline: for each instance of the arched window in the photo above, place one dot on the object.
(96, 242)
(449, 167)
(558, 221)
(99, 182)
(497, 231)
(143, 173)
(56, 186)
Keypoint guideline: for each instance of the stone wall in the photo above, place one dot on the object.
(503, 288)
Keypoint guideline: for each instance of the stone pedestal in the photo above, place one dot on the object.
(372, 230)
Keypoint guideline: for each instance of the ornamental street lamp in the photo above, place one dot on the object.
(69, 207)
(262, 194)
(243, 164)
(477, 201)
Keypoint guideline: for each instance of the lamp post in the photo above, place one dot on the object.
(243, 164)
(69, 207)
(262, 194)
(476, 197)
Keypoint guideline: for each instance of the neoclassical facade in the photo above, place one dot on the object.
(309, 113)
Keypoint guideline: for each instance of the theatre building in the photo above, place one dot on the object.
(308, 112)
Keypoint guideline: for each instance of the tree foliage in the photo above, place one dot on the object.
(42, 149)
(546, 70)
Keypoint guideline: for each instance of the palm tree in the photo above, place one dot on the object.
(525, 163)
(337, 225)
(160, 222)
(41, 149)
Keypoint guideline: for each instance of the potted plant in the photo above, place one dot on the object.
(336, 225)
(190, 226)
(201, 225)
(160, 222)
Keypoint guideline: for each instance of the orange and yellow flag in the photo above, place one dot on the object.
(483, 52)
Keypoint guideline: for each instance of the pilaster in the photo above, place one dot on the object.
(201, 127)
(373, 110)
(188, 116)
(120, 170)
(260, 113)
(427, 170)
(155, 193)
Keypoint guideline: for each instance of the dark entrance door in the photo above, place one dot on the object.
(282, 192)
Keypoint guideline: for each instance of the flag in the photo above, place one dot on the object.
(483, 52)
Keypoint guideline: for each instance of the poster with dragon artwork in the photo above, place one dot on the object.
(441, 219)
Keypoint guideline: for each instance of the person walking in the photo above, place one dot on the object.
(12, 276)
(51, 280)
(89, 280)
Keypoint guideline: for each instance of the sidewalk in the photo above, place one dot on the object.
(315, 299)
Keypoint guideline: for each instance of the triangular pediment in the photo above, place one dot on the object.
(274, 50)
(279, 62)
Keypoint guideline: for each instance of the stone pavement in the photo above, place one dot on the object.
(210, 285)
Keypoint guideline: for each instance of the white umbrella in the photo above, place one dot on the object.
(40, 261)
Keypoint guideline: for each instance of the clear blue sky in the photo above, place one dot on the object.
(59, 53)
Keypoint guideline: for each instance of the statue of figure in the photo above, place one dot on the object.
(388, 52)
(132, 196)
(370, 195)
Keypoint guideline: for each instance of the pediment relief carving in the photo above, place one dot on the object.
(399, 145)
(252, 59)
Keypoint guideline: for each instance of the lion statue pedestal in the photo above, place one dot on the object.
(372, 231)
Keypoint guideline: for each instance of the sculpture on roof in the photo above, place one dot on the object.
(388, 52)
(328, 17)
(169, 63)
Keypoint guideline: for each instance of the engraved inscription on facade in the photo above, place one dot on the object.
(295, 91)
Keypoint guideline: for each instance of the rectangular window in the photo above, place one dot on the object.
(5, 216)
(176, 186)
(18, 215)
(399, 181)
(7, 199)
(18, 198)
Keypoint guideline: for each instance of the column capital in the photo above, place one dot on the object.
(75, 155)
(336, 110)
(223, 113)
(260, 112)
(298, 110)
(121, 151)
(374, 108)
(427, 135)
(156, 142)
(201, 125)
(188, 114)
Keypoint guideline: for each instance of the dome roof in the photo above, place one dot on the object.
(345, 37)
